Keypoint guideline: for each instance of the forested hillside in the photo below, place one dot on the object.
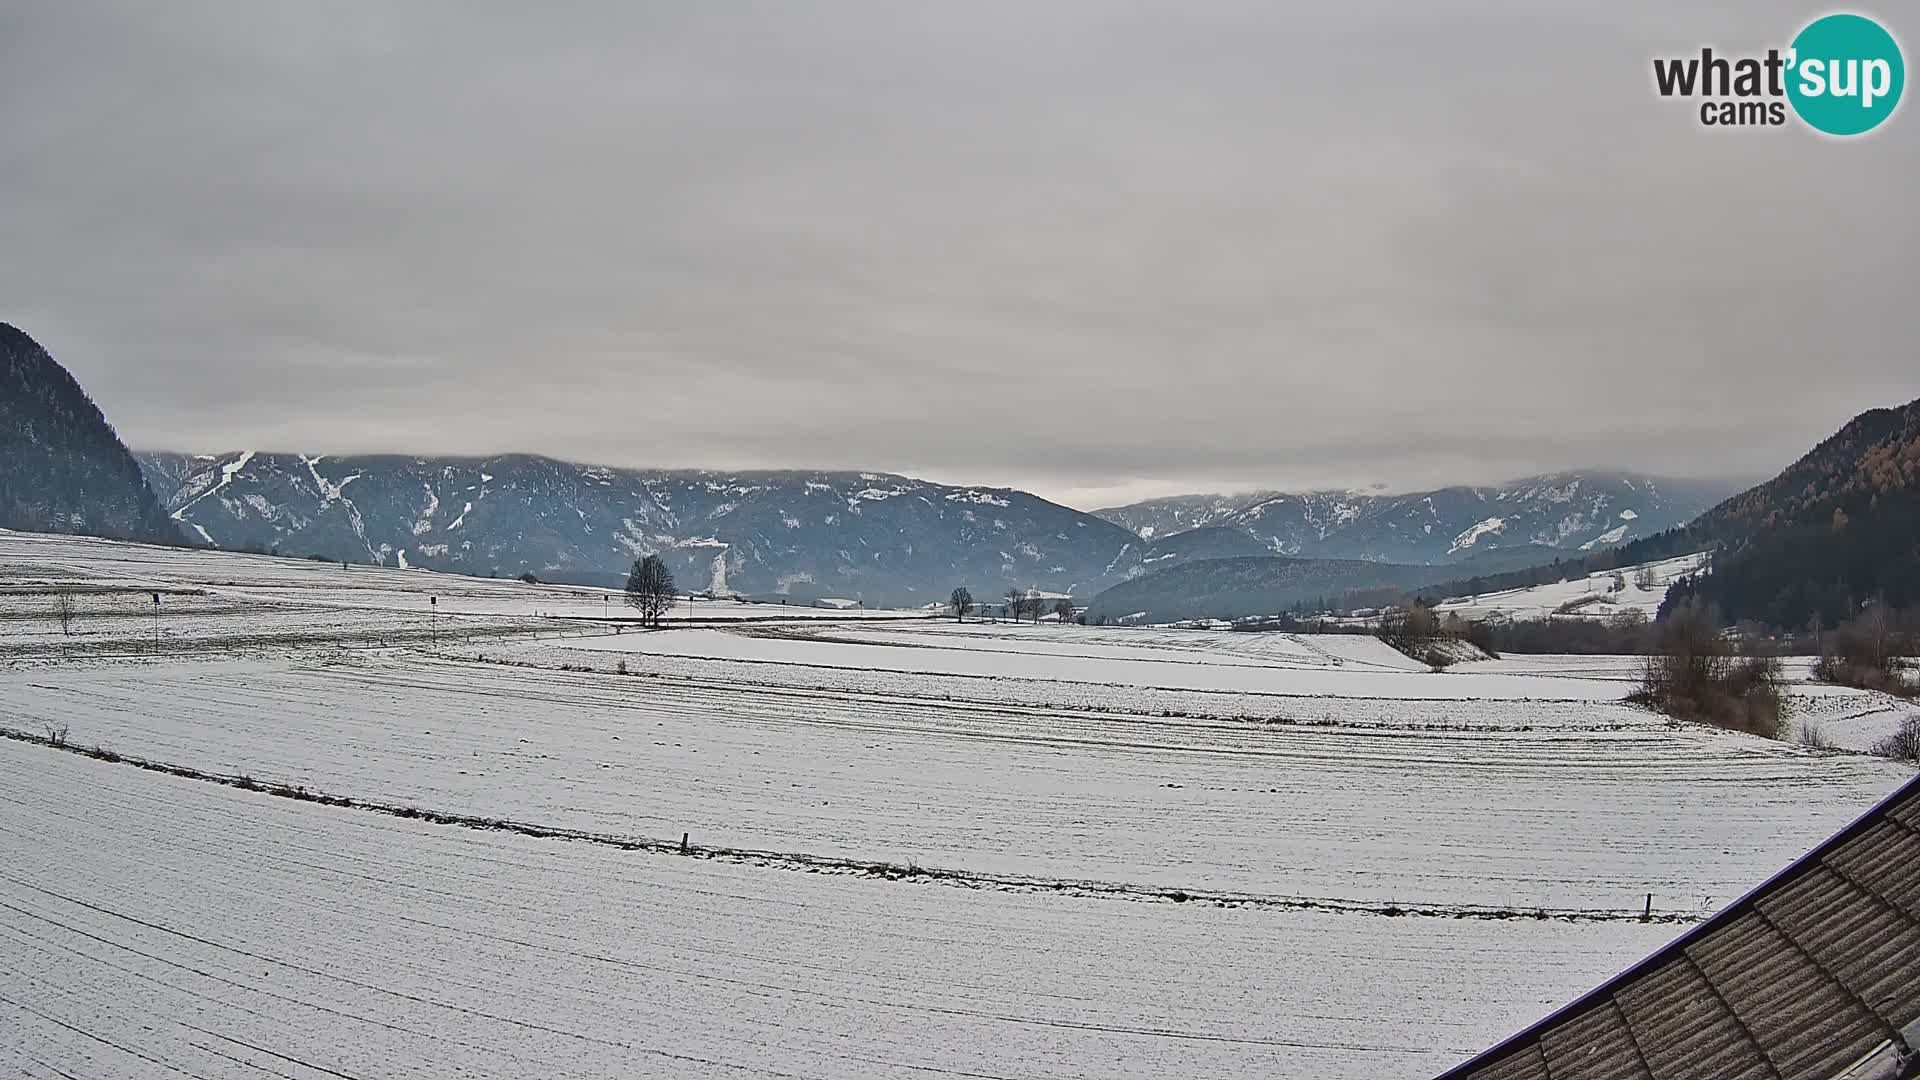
(62, 468)
(1836, 529)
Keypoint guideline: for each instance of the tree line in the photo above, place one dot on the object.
(1019, 605)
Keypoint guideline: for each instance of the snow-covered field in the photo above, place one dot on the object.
(1591, 597)
(918, 848)
(1367, 669)
(30, 559)
(153, 926)
(1508, 819)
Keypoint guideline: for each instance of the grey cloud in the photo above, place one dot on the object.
(1098, 250)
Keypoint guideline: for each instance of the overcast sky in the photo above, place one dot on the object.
(1100, 251)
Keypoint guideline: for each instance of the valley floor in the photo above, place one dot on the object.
(368, 846)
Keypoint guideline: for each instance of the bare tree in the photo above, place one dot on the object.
(650, 589)
(63, 605)
(1016, 604)
(1063, 610)
(1411, 629)
(1645, 580)
(962, 603)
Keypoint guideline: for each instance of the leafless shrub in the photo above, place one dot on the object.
(1696, 674)
(57, 736)
(63, 607)
(1813, 738)
(1867, 652)
(1903, 744)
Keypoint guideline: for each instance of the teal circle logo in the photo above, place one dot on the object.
(1845, 75)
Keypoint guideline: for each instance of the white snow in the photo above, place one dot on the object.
(983, 498)
(1592, 593)
(153, 923)
(1611, 536)
(1063, 780)
(227, 473)
(424, 524)
(1472, 535)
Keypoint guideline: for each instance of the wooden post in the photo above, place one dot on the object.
(1648, 915)
(683, 843)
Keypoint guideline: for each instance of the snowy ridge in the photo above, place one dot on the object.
(1574, 511)
(880, 538)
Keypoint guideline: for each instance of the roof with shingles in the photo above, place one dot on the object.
(1799, 980)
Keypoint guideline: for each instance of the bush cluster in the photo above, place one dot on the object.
(1699, 674)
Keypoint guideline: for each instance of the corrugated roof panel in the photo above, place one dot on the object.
(1888, 856)
(1684, 1030)
(1594, 1046)
(1527, 1065)
(1867, 944)
(1795, 981)
(1802, 1019)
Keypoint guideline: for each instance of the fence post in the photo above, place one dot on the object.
(1647, 916)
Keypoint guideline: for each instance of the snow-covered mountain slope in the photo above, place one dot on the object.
(1157, 519)
(1598, 595)
(1572, 511)
(881, 538)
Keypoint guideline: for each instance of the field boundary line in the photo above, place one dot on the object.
(809, 862)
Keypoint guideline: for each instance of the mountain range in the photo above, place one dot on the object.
(881, 538)
(1569, 511)
(877, 537)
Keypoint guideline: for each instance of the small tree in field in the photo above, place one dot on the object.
(650, 589)
(64, 607)
(1016, 604)
(962, 604)
(1063, 610)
